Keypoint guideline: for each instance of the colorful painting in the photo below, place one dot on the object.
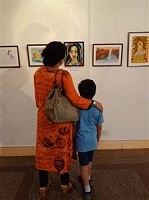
(35, 54)
(138, 49)
(9, 57)
(74, 54)
(107, 54)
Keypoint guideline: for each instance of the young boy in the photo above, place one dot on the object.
(87, 136)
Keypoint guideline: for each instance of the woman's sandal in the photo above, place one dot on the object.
(43, 190)
(66, 188)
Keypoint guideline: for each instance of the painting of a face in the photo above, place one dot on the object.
(74, 54)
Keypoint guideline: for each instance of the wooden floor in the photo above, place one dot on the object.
(117, 175)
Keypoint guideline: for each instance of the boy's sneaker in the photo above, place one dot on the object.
(87, 195)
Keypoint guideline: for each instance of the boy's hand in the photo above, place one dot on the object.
(74, 155)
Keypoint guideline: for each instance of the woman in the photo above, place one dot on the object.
(50, 156)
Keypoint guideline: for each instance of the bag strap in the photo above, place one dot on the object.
(60, 83)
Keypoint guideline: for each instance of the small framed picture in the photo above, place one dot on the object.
(34, 52)
(104, 55)
(138, 49)
(74, 54)
(9, 57)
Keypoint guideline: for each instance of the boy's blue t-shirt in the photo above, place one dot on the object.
(86, 135)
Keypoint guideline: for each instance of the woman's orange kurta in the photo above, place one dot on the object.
(54, 140)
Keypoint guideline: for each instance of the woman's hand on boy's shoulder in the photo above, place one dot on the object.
(98, 105)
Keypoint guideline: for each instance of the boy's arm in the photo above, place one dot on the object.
(99, 131)
(74, 152)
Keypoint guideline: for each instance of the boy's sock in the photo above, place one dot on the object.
(87, 188)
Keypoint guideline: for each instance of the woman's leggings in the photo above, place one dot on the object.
(43, 178)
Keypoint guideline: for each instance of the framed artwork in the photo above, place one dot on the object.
(104, 55)
(74, 54)
(9, 57)
(138, 49)
(34, 52)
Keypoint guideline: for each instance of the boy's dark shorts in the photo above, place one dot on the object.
(85, 157)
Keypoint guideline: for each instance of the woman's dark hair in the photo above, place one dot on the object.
(78, 46)
(53, 53)
(87, 88)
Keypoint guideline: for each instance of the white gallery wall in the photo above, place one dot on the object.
(124, 91)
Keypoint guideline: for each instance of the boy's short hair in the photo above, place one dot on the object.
(87, 88)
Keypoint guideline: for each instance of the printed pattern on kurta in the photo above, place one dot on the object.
(54, 143)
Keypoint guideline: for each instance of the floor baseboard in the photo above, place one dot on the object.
(30, 151)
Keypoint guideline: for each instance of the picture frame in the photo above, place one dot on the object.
(9, 57)
(107, 55)
(34, 52)
(74, 54)
(138, 49)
